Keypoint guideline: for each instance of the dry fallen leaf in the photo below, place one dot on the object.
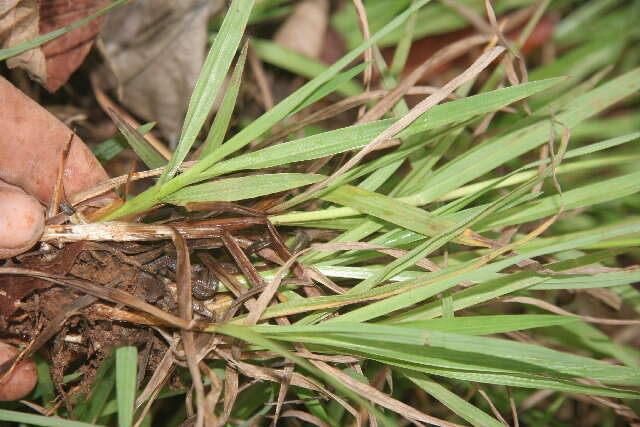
(53, 63)
(305, 28)
(66, 53)
(155, 49)
(19, 22)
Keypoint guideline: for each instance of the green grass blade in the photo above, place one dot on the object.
(393, 210)
(453, 351)
(284, 108)
(298, 64)
(108, 149)
(246, 187)
(126, 372)
(496, 324)
(40, 40)
(588, 195)
(223, 116)
(537, 382)
(211, 77)
(39, 420)
(91, 409)
(248, 335)
(152, 196)
(459, 406)
(492, 153)
(149, 155)
(354, 137)
(397, 296)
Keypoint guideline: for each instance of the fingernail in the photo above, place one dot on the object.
(21, 222)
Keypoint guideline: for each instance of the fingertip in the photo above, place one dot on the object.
(21, 221)
(23, 378)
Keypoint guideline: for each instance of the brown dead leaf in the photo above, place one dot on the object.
(304, 30)
(66, 53)
(155, 49)
(19, 22)
(53, 63)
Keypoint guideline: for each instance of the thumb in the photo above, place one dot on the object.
(21, 221)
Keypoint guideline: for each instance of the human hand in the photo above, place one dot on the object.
(31, 142)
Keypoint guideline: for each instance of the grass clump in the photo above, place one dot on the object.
(466, 261)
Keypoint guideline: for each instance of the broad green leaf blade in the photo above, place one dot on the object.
(126, 369)
(246, 187)
(149, 155)
(223, 116)
(496, 151)
(211, 77)
(40, 40)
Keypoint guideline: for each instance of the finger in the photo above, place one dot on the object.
(21, 221)
(22, 379)
(31, 143)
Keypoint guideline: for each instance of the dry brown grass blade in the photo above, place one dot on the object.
(282, 393)
(231, 383)
(487, 399)
(109, 106)
(154, 386)
(274, 375)
(58, 195)
(106, 312)
(185, 308)
(442, 56)
(109, 294)
(364, 411)
(117, 231)
(266, 96)
(363, 23)
(380, 398)
(157, 380)
(514, 408)
(305, 416)
(213, 396)
(479, 65)
(557, 310)
(229, 281)
(242, 260)
(270, 290)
